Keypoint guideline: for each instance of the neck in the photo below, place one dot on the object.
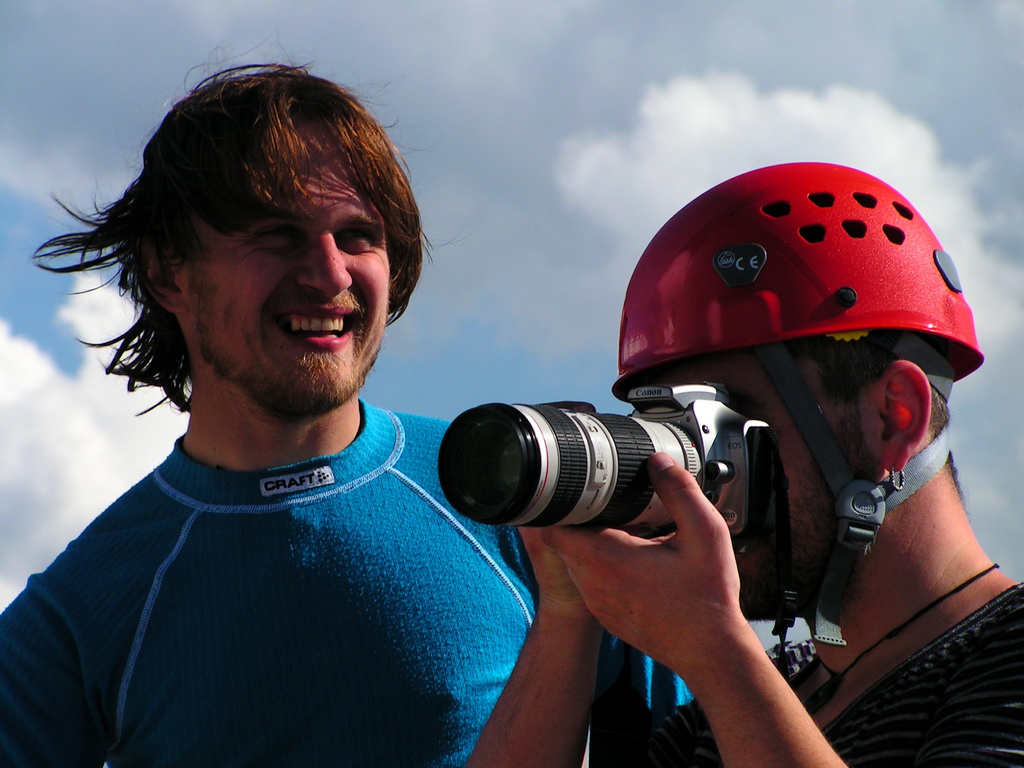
(243, 439)
(925, 550)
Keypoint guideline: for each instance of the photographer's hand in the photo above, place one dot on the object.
(677, 599)
(558, 592)
(673, 597)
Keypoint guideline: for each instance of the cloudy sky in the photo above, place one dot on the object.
(547, 144)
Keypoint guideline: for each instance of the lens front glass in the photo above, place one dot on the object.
(491, 458)
(486, 469)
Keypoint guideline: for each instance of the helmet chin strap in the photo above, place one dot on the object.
(860, 504)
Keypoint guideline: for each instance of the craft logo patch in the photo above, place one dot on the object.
(300, 481)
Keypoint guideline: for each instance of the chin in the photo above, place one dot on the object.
(310, 402)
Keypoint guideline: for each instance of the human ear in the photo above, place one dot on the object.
(901, 399)
(161, 278)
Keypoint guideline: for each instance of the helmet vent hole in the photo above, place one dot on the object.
(813, 233)
(777, 209)
(822, 199)
(895, 235)
(865, 200)
(855, 228)
(903, 211)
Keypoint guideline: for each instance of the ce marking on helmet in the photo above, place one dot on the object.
(729, 260)
(740, 264)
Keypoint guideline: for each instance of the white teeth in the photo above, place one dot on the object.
(324, 324)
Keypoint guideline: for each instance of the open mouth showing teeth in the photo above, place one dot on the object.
(316, 325)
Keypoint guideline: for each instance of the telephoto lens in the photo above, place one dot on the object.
(541, 465)
(548, 465)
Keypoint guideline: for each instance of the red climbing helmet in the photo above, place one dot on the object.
(788, 251)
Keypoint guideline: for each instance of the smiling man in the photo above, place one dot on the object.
(287, 588)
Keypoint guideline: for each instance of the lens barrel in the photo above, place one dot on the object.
(541, 465)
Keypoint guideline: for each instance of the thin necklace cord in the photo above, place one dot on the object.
(825, 693)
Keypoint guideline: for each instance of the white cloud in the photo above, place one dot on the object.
(72, 444)
(686, 135)
(693, 132)
(24, 370)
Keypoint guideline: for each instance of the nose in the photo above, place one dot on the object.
(325, 267)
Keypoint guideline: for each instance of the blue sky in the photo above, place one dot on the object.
(547, 142)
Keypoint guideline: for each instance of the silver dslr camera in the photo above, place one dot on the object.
(541, 465)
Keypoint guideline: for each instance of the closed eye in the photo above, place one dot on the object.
(279, 236)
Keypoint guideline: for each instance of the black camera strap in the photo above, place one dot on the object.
(785, 615)
(620, 722)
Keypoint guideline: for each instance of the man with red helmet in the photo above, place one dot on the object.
(818, 297)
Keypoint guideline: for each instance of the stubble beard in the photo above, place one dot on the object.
(318, 388)
(759, 594)
(814, 527)
(315, 387)
(317, 384)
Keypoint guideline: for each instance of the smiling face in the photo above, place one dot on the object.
(288, 314)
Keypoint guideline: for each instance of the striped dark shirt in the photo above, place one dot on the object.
(959, 701)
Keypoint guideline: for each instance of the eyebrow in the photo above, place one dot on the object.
(291, 216)
(361, 219)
